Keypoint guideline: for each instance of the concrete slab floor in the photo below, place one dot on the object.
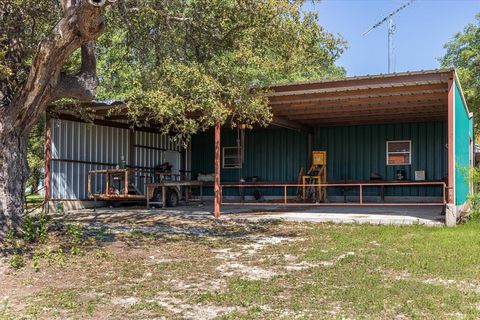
(398, 215)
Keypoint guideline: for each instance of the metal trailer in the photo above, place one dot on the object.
(118, 187)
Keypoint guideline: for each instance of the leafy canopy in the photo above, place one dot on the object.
(463, 53)
(185, 64)
(24, 23)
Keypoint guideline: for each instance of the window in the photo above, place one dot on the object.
(399, 152)
(232, 158)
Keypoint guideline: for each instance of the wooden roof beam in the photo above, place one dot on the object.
(313, 99)
(289, 124)
(371, 122)
(358, 108)
(379, 118)
(313, 105)
(398, 87)
(355, 114)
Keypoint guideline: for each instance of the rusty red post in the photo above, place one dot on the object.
(217, 195)
(361, 195)
(48, 156)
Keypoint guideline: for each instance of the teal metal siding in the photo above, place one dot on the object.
(270, 154)
(354, 152)
(462, 148)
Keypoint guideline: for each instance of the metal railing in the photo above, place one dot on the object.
(300, 201)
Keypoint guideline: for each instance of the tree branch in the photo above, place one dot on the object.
(81, 24)
(82, 85)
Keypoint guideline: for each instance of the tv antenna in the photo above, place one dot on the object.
(391, 32)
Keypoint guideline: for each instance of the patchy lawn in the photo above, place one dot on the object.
(239, 270)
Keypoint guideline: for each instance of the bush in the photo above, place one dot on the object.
(74, 234)
(36, 228)
(474, 197)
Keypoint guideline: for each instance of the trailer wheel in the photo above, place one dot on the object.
(172, 198)
(157, 196)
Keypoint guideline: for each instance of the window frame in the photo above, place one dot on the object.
(396, 152)
(238, 157)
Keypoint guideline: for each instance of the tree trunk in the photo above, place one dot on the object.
(81, 24)
(13, 172)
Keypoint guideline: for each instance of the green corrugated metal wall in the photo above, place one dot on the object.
(463, 133)
(270, 154)
(353, 153)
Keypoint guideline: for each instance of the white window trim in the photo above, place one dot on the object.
(409, 153)
(238, 156)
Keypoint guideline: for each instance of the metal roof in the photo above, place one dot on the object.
(397, 97)
(366, 77)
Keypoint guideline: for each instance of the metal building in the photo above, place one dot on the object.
(392, 138)
(76, 146)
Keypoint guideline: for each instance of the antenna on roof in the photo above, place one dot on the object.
(391, 31)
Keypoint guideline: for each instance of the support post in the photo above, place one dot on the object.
(48, 156)
(361, 195)
(450, 212)
(125, 191)
(164, 196)
(131, 149)
(216, 200)
(309, 145)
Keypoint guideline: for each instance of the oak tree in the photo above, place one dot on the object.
(182, 65)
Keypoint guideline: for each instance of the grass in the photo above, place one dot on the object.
(262, 270)
(34, 199)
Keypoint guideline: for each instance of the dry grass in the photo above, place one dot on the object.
(238, 270)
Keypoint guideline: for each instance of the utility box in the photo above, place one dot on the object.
(319, 158)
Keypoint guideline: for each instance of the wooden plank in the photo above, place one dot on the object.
(89, 184)
(125, 191)
(107, 123)
(289, 124)
(386, 116)
(374, 110)
(394, 111)
(351, 90)
(353, 95)
(359, 107)
(357, 99)
(346, 122)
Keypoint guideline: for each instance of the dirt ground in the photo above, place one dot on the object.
(166, 266)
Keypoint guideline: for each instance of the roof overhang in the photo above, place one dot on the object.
(397, 97)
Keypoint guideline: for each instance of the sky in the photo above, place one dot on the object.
(421, 31)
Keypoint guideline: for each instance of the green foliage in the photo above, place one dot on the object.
(187, 64)
(60, 208)
(182, 64)
(16, 261)
(21, 30)
(74, 234)
(36, 262)
(35, 154)
(36, 228)
(463, 53)
(474, 197)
